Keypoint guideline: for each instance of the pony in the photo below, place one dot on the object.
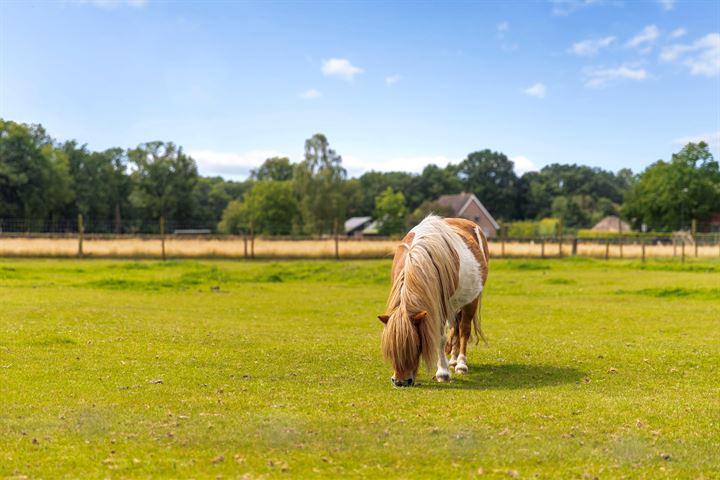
(438, 274)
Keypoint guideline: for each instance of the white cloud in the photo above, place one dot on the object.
(109, 4)
(712, 139)
(701, 57)
(393, 79)
(502, 28)
(644, 40)
(340, 67)
(523, 165)
(678, 32)
(566, 7)
(537, 90)
(310, 94)
(598, 77)
(667, 5)
(231, 165)
(591, 46)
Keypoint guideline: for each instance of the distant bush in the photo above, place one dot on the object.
(587, 233)
(547, 227)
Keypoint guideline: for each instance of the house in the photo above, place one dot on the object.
(611, 223)
(355, 226)
(466, 205)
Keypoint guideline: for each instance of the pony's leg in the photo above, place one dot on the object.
(452, 346)
(443, 371)
(468, 314)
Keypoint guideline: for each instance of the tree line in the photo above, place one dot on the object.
(43, 181)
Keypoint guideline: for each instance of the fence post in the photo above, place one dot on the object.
(337, 241)
(542, 247)
(674, 247)
(560, 238)
(162, 235)
(81, 234)
(694, 235)
(574, 246)
(252, 240)
(683, 250)
(620, 240)
(244, 244)
(642, 245)
(607, 248)
(503, 235)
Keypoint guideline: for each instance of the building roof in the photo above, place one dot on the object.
(459, 203)
(611, 223)
(353, 223)
(372, 229)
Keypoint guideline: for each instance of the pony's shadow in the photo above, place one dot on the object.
(509, 377)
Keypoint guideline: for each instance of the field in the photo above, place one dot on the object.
(227, 369)
(235, 247)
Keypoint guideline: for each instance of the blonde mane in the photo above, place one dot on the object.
(426, 282)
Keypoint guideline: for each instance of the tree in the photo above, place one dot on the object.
(390, 211)
(234, 218)
(268, 208)
(164, 181)
(275, 168)
(490, 176)
(319, 186)
(35, 181)
(578, 194)
(668, 195)
(433, 182)
(374, 183)
(212, 198)
(354, 198)
(101, 185)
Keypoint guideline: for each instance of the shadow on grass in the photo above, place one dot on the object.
(510, 377)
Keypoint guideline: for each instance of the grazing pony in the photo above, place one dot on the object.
(438, 274)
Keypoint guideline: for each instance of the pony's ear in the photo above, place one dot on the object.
(383, 318)
(419, 317)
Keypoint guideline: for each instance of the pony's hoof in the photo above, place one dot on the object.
(452, 362)
(461, 369)
(443, 378)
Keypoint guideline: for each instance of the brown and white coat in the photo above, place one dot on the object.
(438, 273)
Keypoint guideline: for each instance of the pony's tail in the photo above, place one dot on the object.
(476, 325)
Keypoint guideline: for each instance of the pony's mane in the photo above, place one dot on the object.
(427, 280)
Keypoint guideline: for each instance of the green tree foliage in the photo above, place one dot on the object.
(354, 198)
(35, 180)
(433, 182)
(668, 195)
(577, 194)
(319, 182)
(165, 179)
(234, 218)
(490, 176)
(374, 183)
(101, 185)
(275, 168)
(42, 181)
(268, 208)
(390, 211)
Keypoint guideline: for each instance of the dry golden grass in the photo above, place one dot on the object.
(266, 248)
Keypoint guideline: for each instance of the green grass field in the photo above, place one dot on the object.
(246, 370)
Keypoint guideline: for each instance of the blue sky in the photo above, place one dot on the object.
(394, 86)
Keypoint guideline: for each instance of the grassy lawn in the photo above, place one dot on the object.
(208, 369)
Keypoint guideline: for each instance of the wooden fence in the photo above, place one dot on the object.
(164, 246)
